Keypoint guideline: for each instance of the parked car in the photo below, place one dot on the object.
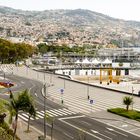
(139, 93)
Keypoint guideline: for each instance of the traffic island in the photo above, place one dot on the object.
(131, 114)
(6, 84)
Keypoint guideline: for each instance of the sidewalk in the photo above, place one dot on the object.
(23, 135)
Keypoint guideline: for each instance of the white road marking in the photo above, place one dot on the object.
(38, 115)
(57, 112)
(116, 131)
(27, 116)
(96, 132)
(51, 112)
(68, 135)
(110, 129)
(124, 125)
(42, 114)
(121, 133)
(71, 117)
(66, 112)
(70, 111)
(25, 119)
(47, 112)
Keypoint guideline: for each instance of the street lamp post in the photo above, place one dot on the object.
(45, 87)
(64, 84)
(26, 70)
(88, 89)
(132, 96)
(4, 75)
(44, 77)
(51, 78)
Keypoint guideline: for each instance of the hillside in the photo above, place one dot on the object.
(73, 26)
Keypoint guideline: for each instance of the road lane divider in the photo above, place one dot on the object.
(96, 132)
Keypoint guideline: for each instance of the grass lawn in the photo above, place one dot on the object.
(132, 114)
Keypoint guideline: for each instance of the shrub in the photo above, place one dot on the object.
(6, 131)
(4, 135)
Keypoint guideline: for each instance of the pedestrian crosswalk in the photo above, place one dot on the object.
(52, 113)
(7, 68)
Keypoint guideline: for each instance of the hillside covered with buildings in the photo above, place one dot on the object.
(71, 27)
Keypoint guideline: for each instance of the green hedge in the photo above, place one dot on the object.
(132, 114)
(4, 135)
(6, 132)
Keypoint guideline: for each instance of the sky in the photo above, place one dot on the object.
(123, 9)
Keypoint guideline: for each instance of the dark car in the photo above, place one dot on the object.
(139, 93)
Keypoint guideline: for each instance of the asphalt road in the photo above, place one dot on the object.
(66, 127)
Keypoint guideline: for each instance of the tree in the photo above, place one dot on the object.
(50, 120)
(22, 102)
(2, 106)
(127, 100)
(11, 52)
(29, 107)
(13, 107)
(5, 132)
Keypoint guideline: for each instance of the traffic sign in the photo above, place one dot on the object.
(61, 90)
(91, 101)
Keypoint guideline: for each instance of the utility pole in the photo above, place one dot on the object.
(45, 110)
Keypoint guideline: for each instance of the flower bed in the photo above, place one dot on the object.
(6, 84)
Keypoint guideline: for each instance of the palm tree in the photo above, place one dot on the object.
(13, 107)
(127, 100)
(28, 105)
(32, 112)
(22, 101)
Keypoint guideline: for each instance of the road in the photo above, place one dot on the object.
(69, 122)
